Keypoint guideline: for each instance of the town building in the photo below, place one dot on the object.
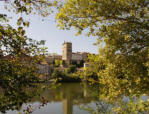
(68, 56)
(50, 58)
(67, 52)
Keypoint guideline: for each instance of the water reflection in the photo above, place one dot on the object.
(67, 99)
(64, 99)
(70, 95)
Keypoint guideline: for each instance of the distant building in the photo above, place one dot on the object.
(55, 57)
(67, 52)
(68, 56)
(86, 65)
(76, 57)
(52, 57)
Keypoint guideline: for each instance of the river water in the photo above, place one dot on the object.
(66, 98)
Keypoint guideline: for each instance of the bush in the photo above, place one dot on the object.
(57, 74)
(71, 69)
(58, 63)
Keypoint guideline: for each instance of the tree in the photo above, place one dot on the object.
(16, 49)
(40, 7)
(122, 31)
(18, 61)
(125, 26)
(19, 55)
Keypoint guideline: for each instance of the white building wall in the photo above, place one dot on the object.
(76, 56)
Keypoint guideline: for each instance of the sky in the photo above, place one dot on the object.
(47, 30)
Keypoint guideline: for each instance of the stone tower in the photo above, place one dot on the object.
(67, 52)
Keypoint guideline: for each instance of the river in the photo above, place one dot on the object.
(66, 98)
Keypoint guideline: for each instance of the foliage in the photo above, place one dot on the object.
(71, 69)
(18, 66)
(122, 107)
(15, 98)
(57, 74)
(65, 76)
(58, 63)
(19, 55)
(122, 31)
(12, 98)
(123, 37)
(139, 106)
(79, 65)
(40, 7)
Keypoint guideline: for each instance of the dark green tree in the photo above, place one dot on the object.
(19, 55)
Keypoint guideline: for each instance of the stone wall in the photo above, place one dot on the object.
(76, 57)
(44, 69)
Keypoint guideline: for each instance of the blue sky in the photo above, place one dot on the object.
(47, 30)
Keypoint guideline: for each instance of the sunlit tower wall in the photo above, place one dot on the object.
(67, 52)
